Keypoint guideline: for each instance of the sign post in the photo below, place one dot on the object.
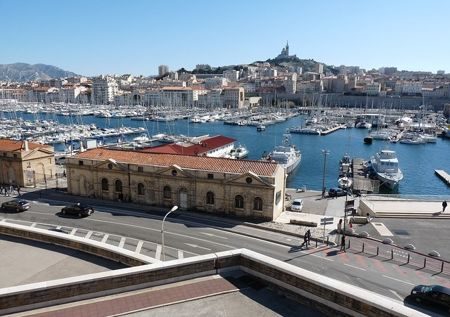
(326, 221)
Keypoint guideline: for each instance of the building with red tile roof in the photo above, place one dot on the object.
(240, 187)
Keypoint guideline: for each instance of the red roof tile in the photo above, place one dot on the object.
(8, 145)
(222, 165)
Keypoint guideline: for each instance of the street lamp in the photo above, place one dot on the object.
(325, 153)
(162, 231)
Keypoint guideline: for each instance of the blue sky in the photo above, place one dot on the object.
(93, 37)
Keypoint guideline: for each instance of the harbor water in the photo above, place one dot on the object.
(417, 162)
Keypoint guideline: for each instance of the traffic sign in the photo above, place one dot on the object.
(326, 221)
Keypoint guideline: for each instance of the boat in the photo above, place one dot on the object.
(238, 152)
(260, 127)
(345, 182)
(368, 140)
(287, 155)
(363, 125)
(385, 168)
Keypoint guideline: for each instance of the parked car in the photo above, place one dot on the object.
(78, 209)
(336, 192)
(16, 205)
(297, 204)
(432, 295)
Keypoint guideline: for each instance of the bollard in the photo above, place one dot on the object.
(425, 262)
(442, 266)
(316, 242)
(348, 244)
(409, 257)
(362, 248)
(392, 254)
(378, 250)
(328, 238)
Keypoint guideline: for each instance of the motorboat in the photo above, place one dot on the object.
(260, 127)
(385, 167)
(368, 140)
(238, 152)
(287, 155)
(345, 182)
(363, 125)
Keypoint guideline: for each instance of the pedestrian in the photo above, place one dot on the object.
(339, 226)
(1, 189)
(343, 243)
(18, 190)
(305, 241)
(308, 237)
(444, 205)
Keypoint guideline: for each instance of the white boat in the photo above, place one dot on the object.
(363, 125)
(385, 166)
(286, 155)
(261, 127)
(238, 152)
(345, 182)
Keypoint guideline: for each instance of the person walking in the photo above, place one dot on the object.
(305, 240)
(308, 237)
(343, 243)
(444, 205)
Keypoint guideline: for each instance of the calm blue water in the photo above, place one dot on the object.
(418, 162)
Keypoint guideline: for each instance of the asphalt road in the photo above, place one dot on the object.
(188, 234)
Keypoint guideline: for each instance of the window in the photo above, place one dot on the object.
(140, 169)
(239, 201)
(79, 162)
(104, 184)
(110, 166)
(118, 186)
(15, 155)
(278, 197)
(249, 180)
(210, 176)
(174, 172)
(210, 198)
(167, 192)
(141, 189)
(257, 204)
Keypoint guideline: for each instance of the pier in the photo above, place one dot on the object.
(443, 175)
(361, 182)
(333, 129)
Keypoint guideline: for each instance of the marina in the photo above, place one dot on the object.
(417, 162)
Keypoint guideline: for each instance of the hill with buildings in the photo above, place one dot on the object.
(22, 72)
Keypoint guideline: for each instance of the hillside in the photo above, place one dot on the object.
(22, 72)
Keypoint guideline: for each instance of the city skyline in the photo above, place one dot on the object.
(111, 37)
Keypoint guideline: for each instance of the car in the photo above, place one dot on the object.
(16, 205)
(297, 204)
(336, 192)
(78, 209)
(432, 295)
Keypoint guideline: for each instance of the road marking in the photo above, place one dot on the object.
(197, 246)
(33, 224)
(213, 235)
(396, 294)
(89, 234)
(355, 267)
(122, 242)
(158, 252)
(105, 237)
(139, 246)
(321, 257)
(180, 254)
(382, 229)
(73, 231)
(396, 279)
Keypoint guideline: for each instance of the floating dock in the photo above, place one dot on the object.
(333, 129)
(361, 181)
(443, 175)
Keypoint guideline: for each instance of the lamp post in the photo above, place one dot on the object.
(162, 231)
(325, 153)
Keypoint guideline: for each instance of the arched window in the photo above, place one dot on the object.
(118, 186)
(210, 198)
(104, 184)
(257, 204)
(239, 201)
(141, 189)
(167, 192)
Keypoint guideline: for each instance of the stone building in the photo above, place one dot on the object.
(216, 185)
(24, 163)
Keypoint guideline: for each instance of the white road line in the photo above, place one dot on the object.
(382, 229)
(105, 237)
(355, 267)
(197, 246)
(213, 235)
(122, 242)
(396, 279)
(139, 246)
(321, 257)
(180, 254)
(73, 231)
(33, 224)
(396, 294)
(89, 234)
(158, 252)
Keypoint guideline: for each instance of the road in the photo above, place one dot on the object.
(188, 234)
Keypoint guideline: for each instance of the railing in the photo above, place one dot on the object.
(399, 255)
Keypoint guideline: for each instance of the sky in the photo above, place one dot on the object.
(92, 37)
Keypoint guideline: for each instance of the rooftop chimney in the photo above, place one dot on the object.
(25, 145)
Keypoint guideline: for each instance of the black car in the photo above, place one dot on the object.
(16, 205)
(432, 295)
(336, 192)
(78, 210)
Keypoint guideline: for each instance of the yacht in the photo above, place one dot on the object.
(238, 152)
(287, 155)
(385, 166)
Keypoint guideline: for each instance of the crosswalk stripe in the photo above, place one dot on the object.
(180, 254)
(89, 234)
(73, 231)
(122, 242)
(33, 224)
(105, 237)
(158, 252)
(139, 246)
